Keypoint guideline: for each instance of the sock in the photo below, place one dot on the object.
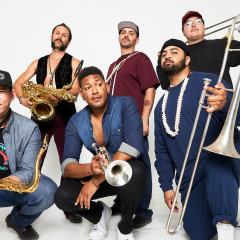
(225, 231)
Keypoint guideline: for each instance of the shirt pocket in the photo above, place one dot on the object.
(116, 139)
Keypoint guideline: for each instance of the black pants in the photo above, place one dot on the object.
(130, 195)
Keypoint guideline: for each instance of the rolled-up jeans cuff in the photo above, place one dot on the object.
(220, 218)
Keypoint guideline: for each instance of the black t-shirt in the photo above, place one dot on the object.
(207, 56)
(4, 163)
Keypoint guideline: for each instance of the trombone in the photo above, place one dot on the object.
(220, 28)
(117, 172)
(224, 144)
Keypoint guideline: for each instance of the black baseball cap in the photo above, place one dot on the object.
(5, 79)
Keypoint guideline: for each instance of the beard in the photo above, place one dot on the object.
(127, 44)
(175, 68)
(61, 48)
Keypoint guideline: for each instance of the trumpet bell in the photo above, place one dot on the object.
(42, 111)
(118, 173)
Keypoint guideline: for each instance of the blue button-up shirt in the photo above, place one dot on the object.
(122, 129)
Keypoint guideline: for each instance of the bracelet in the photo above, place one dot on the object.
(19, 99)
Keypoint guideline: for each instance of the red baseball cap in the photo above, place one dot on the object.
(191, 14)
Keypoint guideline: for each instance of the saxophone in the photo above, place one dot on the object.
(10, 185)
(43, 108)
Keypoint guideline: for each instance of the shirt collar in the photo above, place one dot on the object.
(109, 105)
(10, 121)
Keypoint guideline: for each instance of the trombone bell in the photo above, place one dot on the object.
(224, 146)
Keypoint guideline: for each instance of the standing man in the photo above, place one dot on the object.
(206, 55)
(112, 122)
(133, 75)
(54, 70)
(213, 202)
(20, 140)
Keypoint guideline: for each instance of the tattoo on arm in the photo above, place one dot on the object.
(147, 102)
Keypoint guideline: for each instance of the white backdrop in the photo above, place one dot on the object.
(26, 29)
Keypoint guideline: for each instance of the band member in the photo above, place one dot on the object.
(213, 202)
(54, 70)
(20, 140)
(113, 122)
(206, 55)
(133, 75)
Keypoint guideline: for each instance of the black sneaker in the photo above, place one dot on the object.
(141, 221)
(73, 217)
(24, 233)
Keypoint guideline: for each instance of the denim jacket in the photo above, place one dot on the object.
(122, 129)
(22, 140)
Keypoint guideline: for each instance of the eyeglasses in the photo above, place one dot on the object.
(197, 21)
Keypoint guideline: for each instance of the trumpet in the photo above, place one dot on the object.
(117, 172)
(224, 144)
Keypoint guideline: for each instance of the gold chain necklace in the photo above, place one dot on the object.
(52, 73)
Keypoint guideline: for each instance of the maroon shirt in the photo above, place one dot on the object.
(134, 76)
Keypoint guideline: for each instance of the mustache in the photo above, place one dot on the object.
(58, 40)
(167, 61)
(61, 48)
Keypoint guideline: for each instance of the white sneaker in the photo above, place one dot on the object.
(225, 231)
(99, 231)
(121, 236)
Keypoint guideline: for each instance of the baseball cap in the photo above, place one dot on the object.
(191, 14)
(5, 79)
(128, 24)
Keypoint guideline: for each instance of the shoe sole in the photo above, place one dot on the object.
(142, 225)
(74, 221)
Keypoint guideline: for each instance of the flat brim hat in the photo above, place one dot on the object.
(176, 43)
(5, 79)
(128, 24)
(191, 14)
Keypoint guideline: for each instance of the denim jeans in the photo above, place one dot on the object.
(27, 207)
(143, 206)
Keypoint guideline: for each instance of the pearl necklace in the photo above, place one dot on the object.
(178, 112)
